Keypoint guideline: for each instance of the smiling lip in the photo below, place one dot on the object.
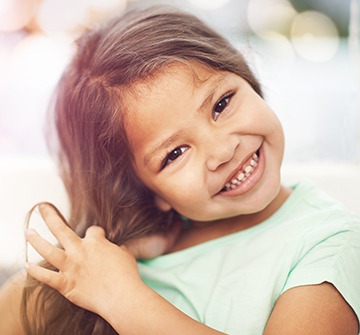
(250, 181)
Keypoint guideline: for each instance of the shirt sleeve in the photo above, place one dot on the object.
(330, 253)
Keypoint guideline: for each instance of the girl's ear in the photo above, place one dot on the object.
(162, 204)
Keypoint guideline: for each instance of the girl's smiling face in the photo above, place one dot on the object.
(204, 142)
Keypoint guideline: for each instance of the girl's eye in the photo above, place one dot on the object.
(221, 105)
(173, 155)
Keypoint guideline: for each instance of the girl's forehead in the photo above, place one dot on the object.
(186, 72)
(171, 85)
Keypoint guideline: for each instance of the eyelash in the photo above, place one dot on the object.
(227, 97)
(168, 159)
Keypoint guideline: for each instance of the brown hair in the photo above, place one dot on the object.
(93, 153)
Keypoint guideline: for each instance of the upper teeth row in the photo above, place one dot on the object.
(243, 173)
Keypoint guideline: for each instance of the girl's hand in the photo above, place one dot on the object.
(102, 277)
(89, 267)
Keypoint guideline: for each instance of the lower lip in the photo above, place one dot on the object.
(250, 181)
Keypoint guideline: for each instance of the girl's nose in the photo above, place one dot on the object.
(219, 152)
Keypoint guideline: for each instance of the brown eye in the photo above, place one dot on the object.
(173, 155)
(221, 105)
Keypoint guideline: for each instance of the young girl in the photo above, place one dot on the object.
(168, 149)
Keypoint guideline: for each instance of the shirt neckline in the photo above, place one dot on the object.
(178, 256)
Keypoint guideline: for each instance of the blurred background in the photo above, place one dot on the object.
(305, 53)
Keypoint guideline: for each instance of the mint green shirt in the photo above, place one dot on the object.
(232, 283)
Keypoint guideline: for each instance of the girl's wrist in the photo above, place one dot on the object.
(121, 311)
(146, 312)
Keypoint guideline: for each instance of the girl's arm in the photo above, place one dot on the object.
(312, 310)
(102, 277)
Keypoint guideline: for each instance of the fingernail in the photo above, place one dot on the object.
(42, 206)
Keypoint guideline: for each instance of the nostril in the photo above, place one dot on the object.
(220, 155)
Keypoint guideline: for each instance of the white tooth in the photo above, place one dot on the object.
(240, 176)
(255, 156)
(233, 186)
(248, 169)
(234, 181)
(228, 185)
(247, 174)
(252, 163)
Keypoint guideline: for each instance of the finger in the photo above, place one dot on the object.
(52, 254)
(95, 231)
(51, 278)
(64, 234)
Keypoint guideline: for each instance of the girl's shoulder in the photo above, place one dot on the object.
(314, 206)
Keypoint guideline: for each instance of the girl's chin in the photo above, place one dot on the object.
(259, 201)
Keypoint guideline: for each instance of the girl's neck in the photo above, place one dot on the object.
(199, 232)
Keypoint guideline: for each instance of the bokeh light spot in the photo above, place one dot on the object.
(15, 14)
(314, 36)
(209, 5)
(266, 15)
(61, 16)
